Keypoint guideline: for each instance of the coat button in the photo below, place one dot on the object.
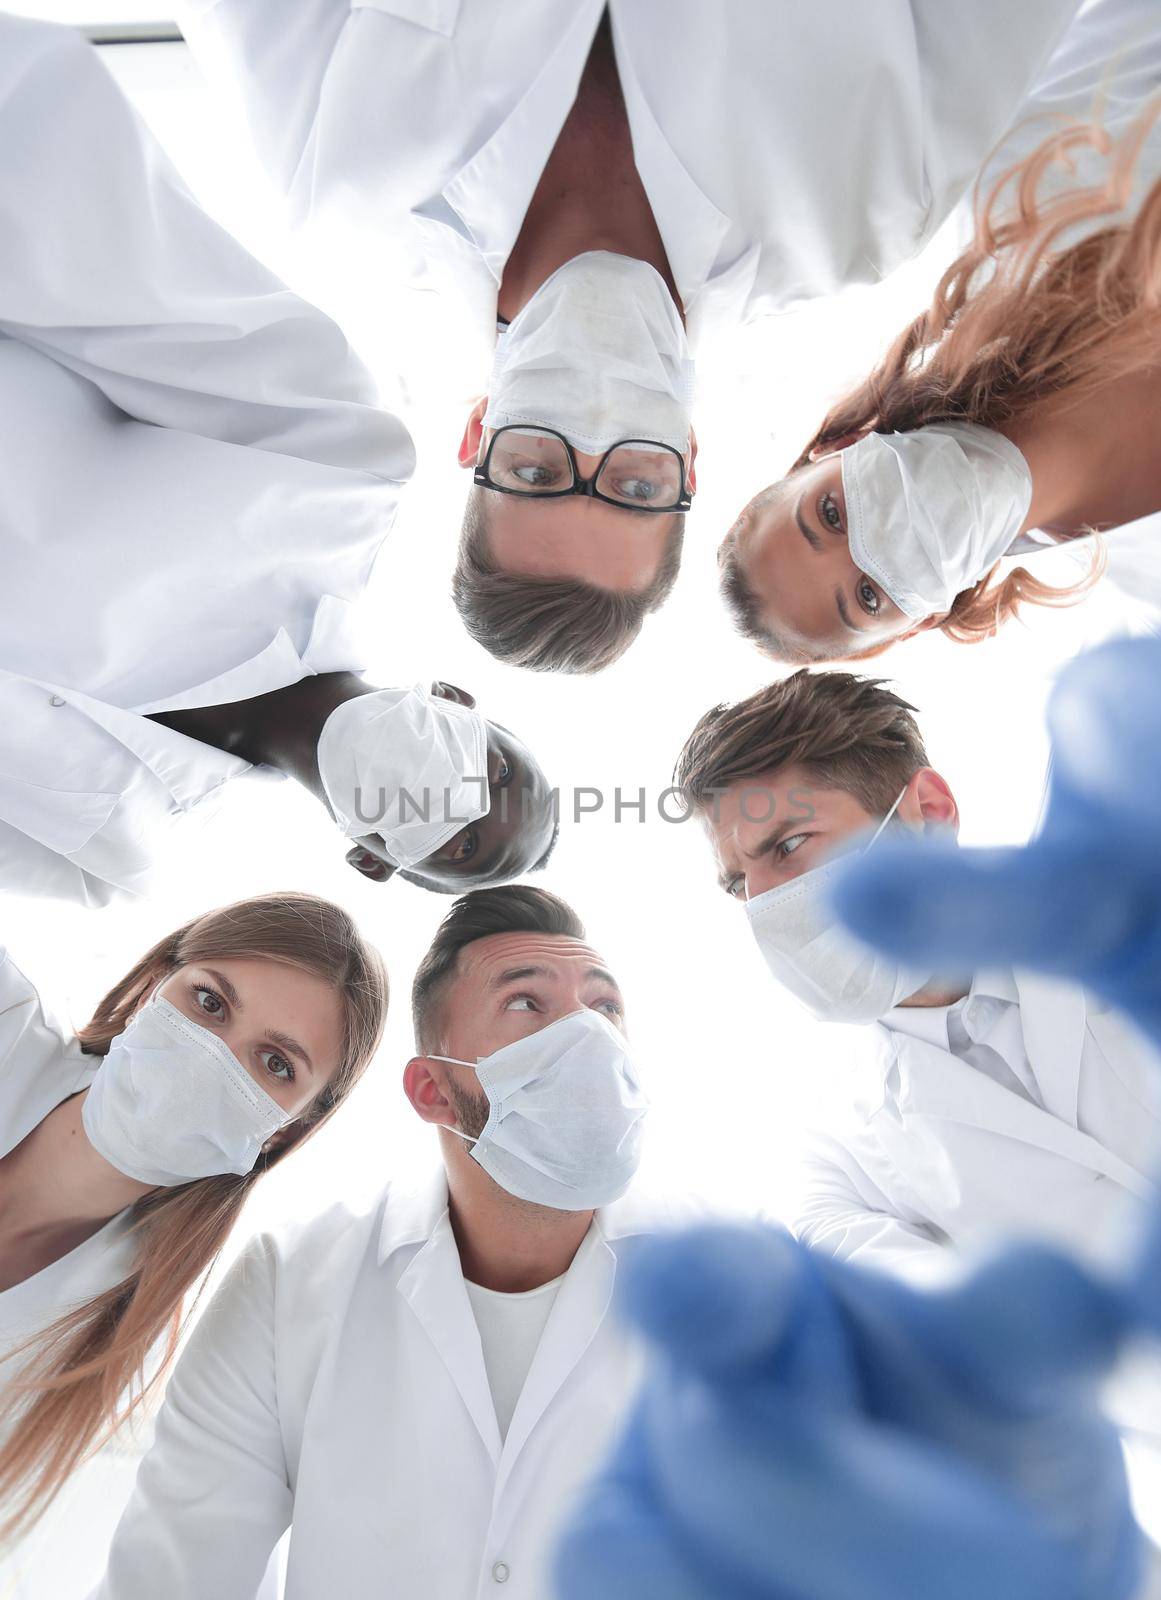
(56, 700)
(500, 1572)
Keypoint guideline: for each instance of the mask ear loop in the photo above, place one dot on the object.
(887, 818)
(469, 1138)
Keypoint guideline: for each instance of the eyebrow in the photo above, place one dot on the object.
(782, 830)
(840, 601)
(516, 974)
(811, 537)
(291, 1046)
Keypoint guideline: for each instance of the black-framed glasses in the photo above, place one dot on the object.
(539, 463)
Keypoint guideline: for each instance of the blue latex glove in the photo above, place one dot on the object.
(1084, 900)
(809, 1431)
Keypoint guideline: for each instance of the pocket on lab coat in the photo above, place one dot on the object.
(63, 819)
(439, 16)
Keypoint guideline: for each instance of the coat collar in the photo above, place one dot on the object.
(411, 1216)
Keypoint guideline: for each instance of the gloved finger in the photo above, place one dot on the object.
(1106, 738)
(620, 1548)
(1052, 906)
(825, 1506)
(618, 1543)
(727, 1301)
(1024, 1328)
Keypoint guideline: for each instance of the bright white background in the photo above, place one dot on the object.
(735, 1070)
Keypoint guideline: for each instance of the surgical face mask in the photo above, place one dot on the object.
(598, 354)
(171, 1102)
(929, 513)
(565, 1113)
(407, 765)
(835, 977)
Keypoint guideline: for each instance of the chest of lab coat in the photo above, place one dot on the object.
(196, 479)
(337, 1383)
(409, 135)
(941, 1152)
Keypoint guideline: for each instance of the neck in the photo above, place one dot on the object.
(1094, 461)
(280, 729)
(506, 1244)
(55, 1192)
(938, 994)
(590, 195)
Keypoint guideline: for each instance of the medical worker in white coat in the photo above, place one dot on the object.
(571, 170)
(128, 1148)
(197, 482)
(998, 1102)
(1017, 413)
(419, 1391)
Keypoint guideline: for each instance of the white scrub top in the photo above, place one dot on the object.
(337, 1385)
(409, 135)
(1028, 1108)
(195, 479)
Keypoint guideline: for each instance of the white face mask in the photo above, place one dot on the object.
(171, 1103)
(835, 977)
(564, 1128)
(407, 765)
(599, 355)
(929, 513)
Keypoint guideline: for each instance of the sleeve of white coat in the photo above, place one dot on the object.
(977, 64)
(1109, 65)
(847, 1216)
(212, 1497)
(112, 267)
(270, 60)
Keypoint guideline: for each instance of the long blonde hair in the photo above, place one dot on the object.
(1015, 321)
(87, 1372)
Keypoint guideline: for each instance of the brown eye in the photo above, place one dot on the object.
(869, 598)
(465, 848)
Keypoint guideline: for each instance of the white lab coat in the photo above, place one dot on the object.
(196, 479)
(786, 149)
(41, 1064)
(336, 1383)
(1108, 68)
(939, 1153)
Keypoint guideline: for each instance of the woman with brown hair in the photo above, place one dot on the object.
(128, 1151)
(1020, 409)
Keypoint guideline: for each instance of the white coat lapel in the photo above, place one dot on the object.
(578, 1313)
(433, 1286)
(1053, 1017)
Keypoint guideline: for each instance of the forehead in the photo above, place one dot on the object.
(754, 806)
(484, 959)
(578, 538)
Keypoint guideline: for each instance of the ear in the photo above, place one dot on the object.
(281, 1137)
(929, 803)
(422, 1088)
(473, 434)
(370, 865)
(691, 469)
(916, 628)
(833, 446)
(449, 691)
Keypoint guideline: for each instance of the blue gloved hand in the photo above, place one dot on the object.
(809, 1431)
(1084, 899)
